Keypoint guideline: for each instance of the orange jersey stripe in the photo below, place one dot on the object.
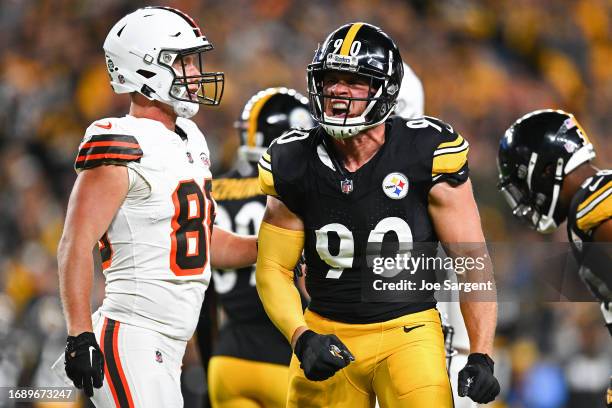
(107, 156)
(119, 367)
(111, 143)
(106, 373)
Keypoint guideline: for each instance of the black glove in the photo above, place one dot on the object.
(476, 379)
(84, 362)
(297, 270)
(321, 355)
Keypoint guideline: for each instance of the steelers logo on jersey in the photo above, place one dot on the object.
(395, 186)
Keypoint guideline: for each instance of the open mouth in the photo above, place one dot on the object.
(340, 109)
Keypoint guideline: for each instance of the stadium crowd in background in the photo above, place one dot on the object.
(483, 63)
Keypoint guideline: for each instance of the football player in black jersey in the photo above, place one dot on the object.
(250, 359)
(546, 177)
(361, 182)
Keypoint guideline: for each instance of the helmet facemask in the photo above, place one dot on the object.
(533, 193)
(190, 89)
(379, 103)
(365, 51)
(536, 154)
(158, 52)
(377, 106)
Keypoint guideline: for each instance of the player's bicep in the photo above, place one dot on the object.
(279, 215)
(454, 213)
(95, 198)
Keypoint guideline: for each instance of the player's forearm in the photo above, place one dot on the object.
(229, 250)
(478, 307)
(480, 321)
(279, 251)
(75, 268)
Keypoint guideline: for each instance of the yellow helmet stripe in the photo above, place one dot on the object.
(253, 116)
(349, 38)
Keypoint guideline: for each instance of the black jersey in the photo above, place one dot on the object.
(591, 206)
(379, 210)
(248, 332)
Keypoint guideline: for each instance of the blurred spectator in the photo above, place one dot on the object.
(483, 63)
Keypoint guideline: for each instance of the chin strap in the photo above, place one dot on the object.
(185, 109)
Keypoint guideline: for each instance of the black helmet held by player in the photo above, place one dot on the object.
(535, 154)
(364, 50)
(267, 115)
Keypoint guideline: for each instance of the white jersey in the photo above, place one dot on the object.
(156, 252)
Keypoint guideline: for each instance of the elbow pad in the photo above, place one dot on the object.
(279, 251)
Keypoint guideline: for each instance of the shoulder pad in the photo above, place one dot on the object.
(451, 149)
(444, 148)
(106, 142)
(596, 207)
(285, 160)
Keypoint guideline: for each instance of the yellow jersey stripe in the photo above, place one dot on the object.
(593, 196)
(267, 157)
(449, 162)
(601, 212)
(235, 189)
(266, 181)
(349, 38)
(253, 117)
(447, 150)
(454, 143)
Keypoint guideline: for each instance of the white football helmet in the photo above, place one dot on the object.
(157, 51)
(410, 101)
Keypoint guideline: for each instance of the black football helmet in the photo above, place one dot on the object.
(267, 115)
(364, 50)
(535, 155)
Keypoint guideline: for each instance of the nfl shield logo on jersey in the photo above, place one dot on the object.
(346, 186)
(395, 186)
(205, 159)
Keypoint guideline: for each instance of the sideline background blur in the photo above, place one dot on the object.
(483, 64)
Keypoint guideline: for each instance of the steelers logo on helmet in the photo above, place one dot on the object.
(395, 186)
(266, 116)
(367, 53)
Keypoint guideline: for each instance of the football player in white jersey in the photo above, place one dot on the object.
(143, 192)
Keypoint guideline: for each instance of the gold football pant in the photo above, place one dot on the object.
(401, 362)
(238, 383)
